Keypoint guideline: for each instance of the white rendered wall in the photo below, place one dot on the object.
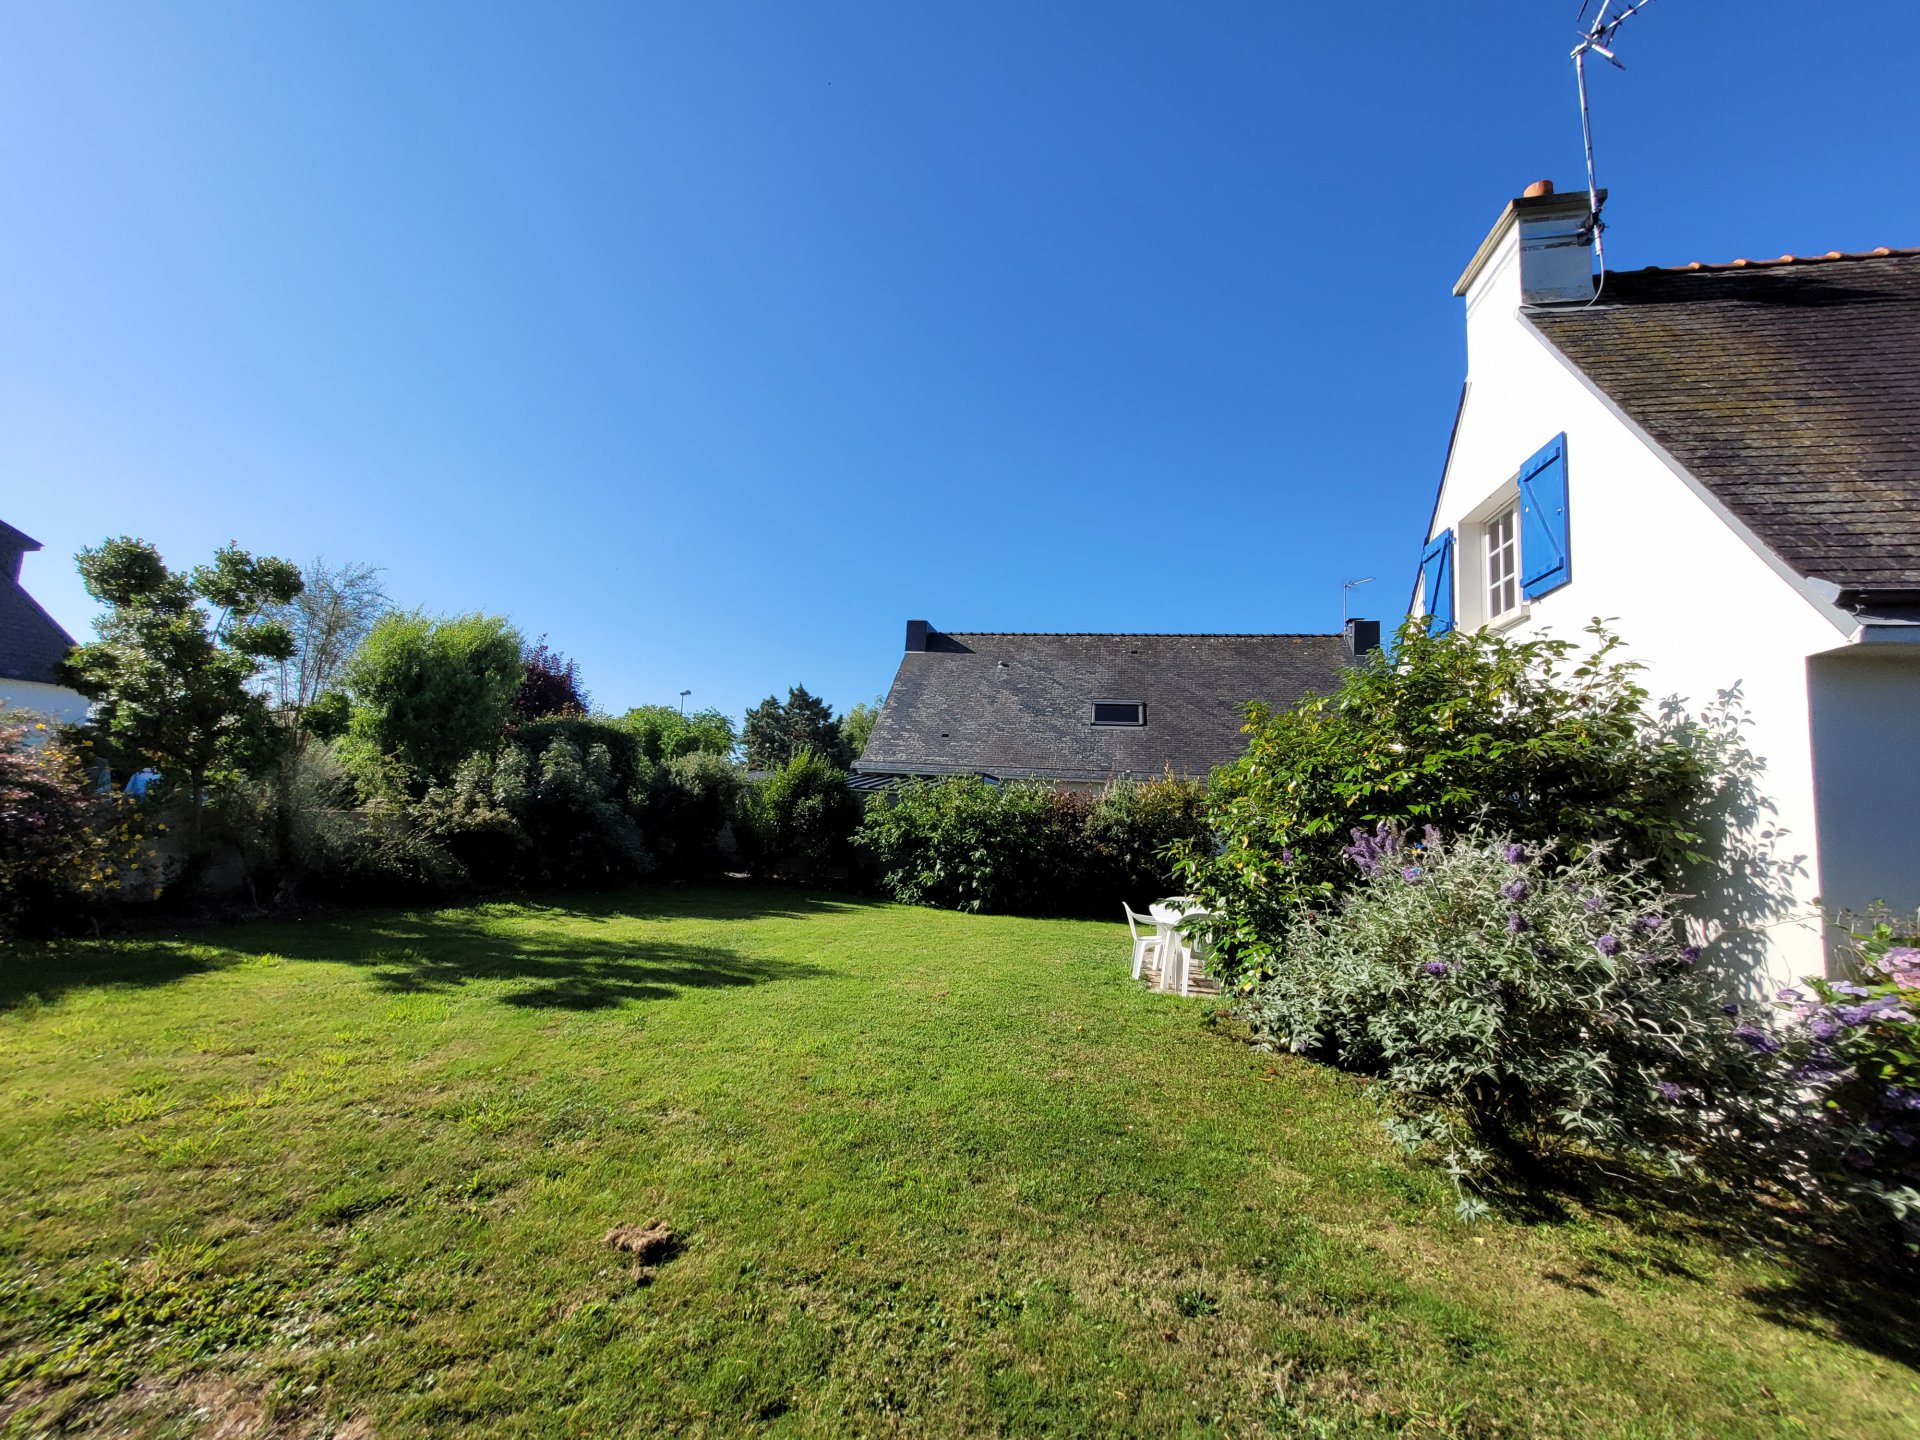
(1864, 703)
(1693, 600)
(54, 704)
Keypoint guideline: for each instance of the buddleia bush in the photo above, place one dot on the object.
(1514, 1002)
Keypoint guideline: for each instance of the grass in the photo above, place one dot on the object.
(931, 1174)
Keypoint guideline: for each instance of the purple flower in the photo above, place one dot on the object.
(1670, 1091)
(1690, 954)
(1436, 968)
(1847, 987)
(1651, 922)
(1754, 1036)
(1431, 834)
(1789, 994)
(1286, 855)
(1608, 944)
(1410, 874)
(1595, 904)
(1896, 1097)
(1823, 1029)
(1387, 841)
(1516, 854)
(1516, 890)
(1517, 923)
(1728, 1007)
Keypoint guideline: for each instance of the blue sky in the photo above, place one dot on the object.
(715, 341)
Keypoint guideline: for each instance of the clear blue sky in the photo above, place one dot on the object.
(717, 340)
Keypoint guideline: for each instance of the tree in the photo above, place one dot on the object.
(665, 734)
(335, 609)
(60, 841)
(169, 675)
(776, 732)
(428, 692)
(549, 685)
(856, 726)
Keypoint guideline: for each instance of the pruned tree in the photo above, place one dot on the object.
(170, 674)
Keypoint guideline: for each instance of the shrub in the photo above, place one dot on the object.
(430, 692)
(1535, 739)
(802, 820)
(538, 810)
(549, 685)
(691, 812)
(61, 844)
(969, 844)
(1856, 1047)
(1512, 1002)
(663, 733)
(1134, 836)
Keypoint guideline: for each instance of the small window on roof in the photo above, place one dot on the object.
(1119, 712)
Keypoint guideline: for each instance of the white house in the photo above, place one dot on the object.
(1723, 461)
(32, 644)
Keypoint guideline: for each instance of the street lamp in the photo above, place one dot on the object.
(683, 701)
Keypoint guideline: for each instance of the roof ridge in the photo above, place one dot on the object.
(1153, 634)
(1883, 252)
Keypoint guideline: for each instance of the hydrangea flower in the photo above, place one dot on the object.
(1790, 995)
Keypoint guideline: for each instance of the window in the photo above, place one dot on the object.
(1503, 562)
(1119, 712)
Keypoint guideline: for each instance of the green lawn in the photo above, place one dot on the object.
(934, 1174)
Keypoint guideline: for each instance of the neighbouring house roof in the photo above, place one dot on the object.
(32, 644)
(1016, 706)
(1789, 388)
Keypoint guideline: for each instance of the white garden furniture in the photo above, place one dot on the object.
(1180, 949)
(1143, 944)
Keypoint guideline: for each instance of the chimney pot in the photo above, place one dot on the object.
(1537, 189)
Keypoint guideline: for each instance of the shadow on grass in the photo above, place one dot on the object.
(1841, 1283)
(539, 943)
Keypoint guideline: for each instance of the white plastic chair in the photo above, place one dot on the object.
(1142, 944)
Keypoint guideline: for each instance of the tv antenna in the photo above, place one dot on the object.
(1597, 39)
(1347, 590)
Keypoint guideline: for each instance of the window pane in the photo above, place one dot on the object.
(1109, 712)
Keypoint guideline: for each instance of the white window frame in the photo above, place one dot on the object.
(1473, 587)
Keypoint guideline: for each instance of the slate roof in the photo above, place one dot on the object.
(1790, 388)
(31, 641)
(1021, 706)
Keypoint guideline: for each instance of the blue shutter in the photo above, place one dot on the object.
(1545, 562)
(1436, 583)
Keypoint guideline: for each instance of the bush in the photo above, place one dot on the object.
(430, 692)
(1028, 849)
(1513, 1003)
(1856, 1048)
(691, 813)
(1134, 836)
(968, 844)
(663, 733)
(538, 810)
(61, 844)
(1534, 739)
(802, 819)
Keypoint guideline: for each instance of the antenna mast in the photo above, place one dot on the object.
(1598, 39)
